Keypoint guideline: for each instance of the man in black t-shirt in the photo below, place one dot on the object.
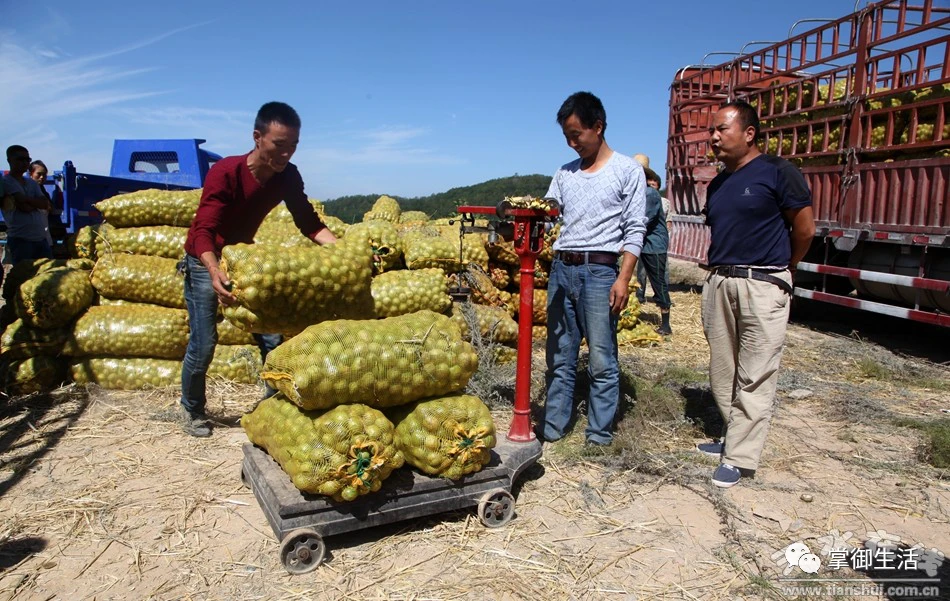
(760, 216)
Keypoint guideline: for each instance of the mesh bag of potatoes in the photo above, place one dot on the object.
(131, 330)
(401, 292)
(504, 252)
(238, 363)
(413, 218)
(494, 323)
(384, 208)
(542, 274)
(473, 247)
(83, 243)
(26, 270)
(540, 308)
(228, 333)
(424, 248)
(53, 298)
(151, 207)
(35, 374)
(449, 436)
(643, 334)
(341, 453)
(140, 279)
(157, 241)
(381, 363)
(630, 315)
(499, 275)
(20, 341)
(481, 284)
(284, 290)
(385, 240)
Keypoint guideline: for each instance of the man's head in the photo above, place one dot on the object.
(733, 133)
(653, 180)
(276, 134)
(38, 171)
(583, 120)
(19, 159)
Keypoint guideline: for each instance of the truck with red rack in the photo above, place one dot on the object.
(862, 105)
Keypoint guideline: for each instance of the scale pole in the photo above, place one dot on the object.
(520, 430)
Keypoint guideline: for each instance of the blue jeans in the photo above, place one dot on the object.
(653, 266)
(579, 307)
(202, 305)
(27, 250)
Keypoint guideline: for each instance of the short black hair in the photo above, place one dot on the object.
(38, 163)
(276, 112)
(652, 176)
(588, 108)
(746, 114)
(11, 150)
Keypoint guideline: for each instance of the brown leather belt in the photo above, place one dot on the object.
(762, 275)
(590, 256)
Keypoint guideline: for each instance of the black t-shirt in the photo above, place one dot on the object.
(744, 211)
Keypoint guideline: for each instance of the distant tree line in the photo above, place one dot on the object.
(351, 208)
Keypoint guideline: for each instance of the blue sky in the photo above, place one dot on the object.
(401, 98)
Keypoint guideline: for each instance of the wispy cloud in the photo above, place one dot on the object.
(386, 145)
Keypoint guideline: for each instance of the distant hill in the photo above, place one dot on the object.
(351, 208)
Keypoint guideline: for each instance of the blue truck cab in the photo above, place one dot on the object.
(136, 165)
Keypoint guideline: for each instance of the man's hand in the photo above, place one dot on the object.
(619, 295)
(222, 287)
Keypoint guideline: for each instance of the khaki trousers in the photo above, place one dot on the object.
(744, 321)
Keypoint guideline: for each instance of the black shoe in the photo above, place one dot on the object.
(195, 424)
(664, 331)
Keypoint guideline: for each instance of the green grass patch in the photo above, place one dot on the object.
(870, 368)
(936, 447)
(681, 376)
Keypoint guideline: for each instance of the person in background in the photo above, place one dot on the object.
(653, 257)
(26, 211)
(39, 173)
(759, 212)
(602, 195)
(239, 192)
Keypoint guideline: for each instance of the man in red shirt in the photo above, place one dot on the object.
(239, 192)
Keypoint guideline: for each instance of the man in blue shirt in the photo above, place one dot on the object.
(761, 220)
(652, 263)
(602, 200)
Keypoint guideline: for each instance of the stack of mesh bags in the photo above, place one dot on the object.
(335, 380)
(137, 335)
(42, 298)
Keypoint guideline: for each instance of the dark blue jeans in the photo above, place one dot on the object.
(579, 307)
(202, 305)
(653, 266)
(27, 250)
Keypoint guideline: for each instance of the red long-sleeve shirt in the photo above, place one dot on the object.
(233, 206)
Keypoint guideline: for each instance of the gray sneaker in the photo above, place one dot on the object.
(195, 424)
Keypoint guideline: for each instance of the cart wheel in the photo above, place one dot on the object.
(244, 478)
(302, 551)
(496, 508)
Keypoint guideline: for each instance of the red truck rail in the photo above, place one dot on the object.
(862, 105)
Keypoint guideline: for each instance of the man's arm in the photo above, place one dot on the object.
(305, 216)
(802, 234)
(633, 221)
(215, 198)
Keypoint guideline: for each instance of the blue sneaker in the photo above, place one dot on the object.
(712, 449)
(726, 476)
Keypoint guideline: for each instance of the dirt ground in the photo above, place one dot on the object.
(103, 497)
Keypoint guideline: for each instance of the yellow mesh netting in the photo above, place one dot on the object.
(36, 374)
(284, 290)
(381, 363)
(401, 292)
(449, 436)
(384, 208)
(158, 241)
(238, 363)
(151, 207)
(494, 323)
(342, 453)
(83, 243)
(20, 341)
(132, 330)
(140, 279)
(53, 298)
(387, 245)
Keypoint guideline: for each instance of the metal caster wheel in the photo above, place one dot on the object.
(302, 551)
(496, 508)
